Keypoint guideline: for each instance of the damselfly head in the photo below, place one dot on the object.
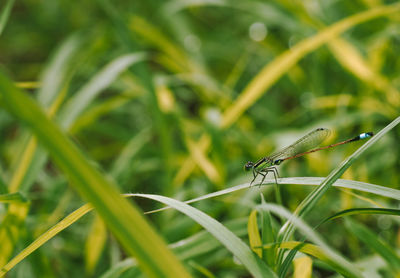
(248, 166)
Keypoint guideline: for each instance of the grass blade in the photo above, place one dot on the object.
(12, 197)
(312, 250)
(55, 74)
(5, 14)
(357, 211)
(342, 183)
(254, 234)
(99, 82)
(342, 265)
(238, 248)
(268, 235)
(124, 220)
(66, 222)
(371, 240)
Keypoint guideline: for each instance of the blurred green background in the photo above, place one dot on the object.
(219, 83)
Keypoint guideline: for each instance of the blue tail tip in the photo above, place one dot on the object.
(366, 135)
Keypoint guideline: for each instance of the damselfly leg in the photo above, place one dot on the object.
(272, 170)
(264, 172)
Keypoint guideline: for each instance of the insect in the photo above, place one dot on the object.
(299, 148)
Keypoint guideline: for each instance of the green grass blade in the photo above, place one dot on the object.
(350, 184)
(128, 152)
(313, 250)
(357, 211)
(97, 110)
(3, 187)
(254, 234)
(99, 82)
(124, 220)
(268, 235)
(31, 158)
(12, 197)
(55, 74)
(203, 242)
(95, 245)
(60, 226)
(234, 244)
(342, 263)
(5, 14)
(371, 240)
(118, 269)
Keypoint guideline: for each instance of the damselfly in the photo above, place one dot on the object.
(299, 148)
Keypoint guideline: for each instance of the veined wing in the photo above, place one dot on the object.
(305, 143)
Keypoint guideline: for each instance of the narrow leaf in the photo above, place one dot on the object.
(234, 244)
(12, 197)
(302, 268)
(123, 219)
(5, 14)
(99, 82)
(372, 241)
(254, 235)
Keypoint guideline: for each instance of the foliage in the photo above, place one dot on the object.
(169, 100)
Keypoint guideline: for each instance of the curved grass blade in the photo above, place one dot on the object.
(123, 219)
(234, 244)
(371, 240)
(119, 268)
(349, 184)
(94, 112)
(128, 152)
(5, 14)
(357, 211)
(99, 82)
(55, 74)
(356, 185)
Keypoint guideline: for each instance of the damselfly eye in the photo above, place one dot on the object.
(248, 166)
